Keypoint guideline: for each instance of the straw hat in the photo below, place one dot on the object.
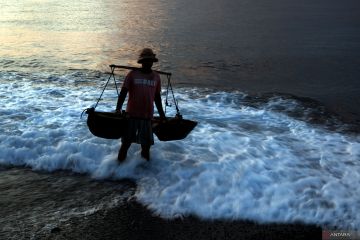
(147, 53)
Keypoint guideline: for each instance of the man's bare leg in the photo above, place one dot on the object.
(123, 151)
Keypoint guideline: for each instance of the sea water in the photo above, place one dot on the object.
(248, 158)
(263, 157)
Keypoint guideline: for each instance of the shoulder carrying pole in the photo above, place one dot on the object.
(136, 68)
(169, 86)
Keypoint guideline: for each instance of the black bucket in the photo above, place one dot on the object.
(172, 129)
(112, 125)
(106, 124)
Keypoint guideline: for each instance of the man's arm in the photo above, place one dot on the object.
(159, 105)
(121, 99)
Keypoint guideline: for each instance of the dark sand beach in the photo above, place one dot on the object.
(126, 220)
(134, 221)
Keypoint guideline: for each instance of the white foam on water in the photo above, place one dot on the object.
(240, 162)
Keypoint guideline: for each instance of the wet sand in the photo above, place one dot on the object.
(126, 220)
(134, 221)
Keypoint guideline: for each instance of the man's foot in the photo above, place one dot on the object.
(145, 152)
(121, 157)
(146, 155)
(123, 152)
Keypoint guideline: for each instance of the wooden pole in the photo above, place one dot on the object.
(136, 68)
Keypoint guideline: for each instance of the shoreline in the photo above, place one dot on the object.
(132, 220)
(129, 219)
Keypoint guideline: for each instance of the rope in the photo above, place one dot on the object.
(167, 94)
(169, 86)
(111, 74)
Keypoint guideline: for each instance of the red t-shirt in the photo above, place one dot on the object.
(142, 88)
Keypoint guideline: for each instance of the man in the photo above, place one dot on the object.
(144, 87)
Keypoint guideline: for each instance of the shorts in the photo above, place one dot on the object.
(138, 131)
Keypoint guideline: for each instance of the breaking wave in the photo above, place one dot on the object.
(260, 158)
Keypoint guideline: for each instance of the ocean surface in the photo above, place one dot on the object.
(258, 76)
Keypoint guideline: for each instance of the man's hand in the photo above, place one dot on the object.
(159, 106)
(121, 100)
(163, 119)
